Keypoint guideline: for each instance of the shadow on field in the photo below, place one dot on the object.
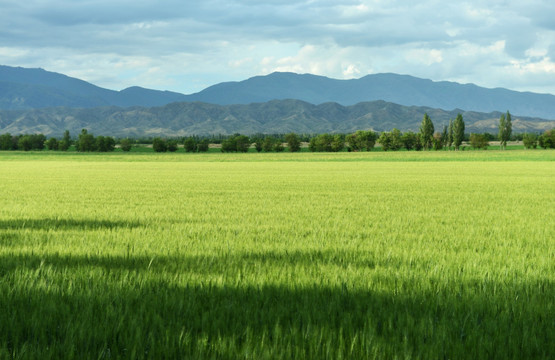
(64, 224)
(59, 309)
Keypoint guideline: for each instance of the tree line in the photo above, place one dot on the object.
(85, 142)
(451, 136)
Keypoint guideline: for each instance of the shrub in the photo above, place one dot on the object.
(278, 146)
(479, 141)
(125, 145)
(530, 141)
(202, 145)
(172, 145)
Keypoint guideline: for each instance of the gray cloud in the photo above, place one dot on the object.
(184, 46)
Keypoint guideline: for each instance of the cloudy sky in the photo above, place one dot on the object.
(187, 45)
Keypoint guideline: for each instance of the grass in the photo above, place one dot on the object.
(217, 156)
(366, 255)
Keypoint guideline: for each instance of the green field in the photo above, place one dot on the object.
(281, 256)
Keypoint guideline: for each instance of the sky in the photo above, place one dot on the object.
(188, 45)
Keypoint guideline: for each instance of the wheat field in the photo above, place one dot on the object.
(279, 256)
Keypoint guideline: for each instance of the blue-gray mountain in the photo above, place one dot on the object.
(399, 89)
(22, 88)
(277, 116)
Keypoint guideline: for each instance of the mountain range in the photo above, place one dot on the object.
(23, 89)
(36, 100)
(276, 116)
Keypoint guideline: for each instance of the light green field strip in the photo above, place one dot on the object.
(216, 255)
(405, 156)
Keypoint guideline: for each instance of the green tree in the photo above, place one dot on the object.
(159, 145)
(437, 141)
(450, 134)
(391, 140)
(530, 141)
(268, 144)
(338, 143)
(312, 146)
(203, 145)
(351, 142)
(396, 142)
(458, 131)
(505, 130)
(547, 139)
(126, 144)
(321, 143)
(52, 144)
(278, 146)
(37, 141)
(65, 143)
(85, 142)
(172, 145)
(385, 140)
(362, 140)
(236, 143)
(258, 143)
(444, 136)
(6, 142)
(293, 142)
(409, 140)
(105, 143)
(190, 144)
(229, 144)
(427, 132)
(243, 143)
(24, 143)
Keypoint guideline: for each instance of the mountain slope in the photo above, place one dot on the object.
(278, 116)
(399, 89)
(22, 88)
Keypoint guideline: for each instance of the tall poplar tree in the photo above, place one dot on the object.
(458, 131)
(427, 132)
(65, 143)
(505, 129)
(450, 134)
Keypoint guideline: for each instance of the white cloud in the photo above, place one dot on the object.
(544, 66)
(184, 46)
(424, 56)
(351, 71)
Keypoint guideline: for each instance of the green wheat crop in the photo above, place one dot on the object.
(279, 256)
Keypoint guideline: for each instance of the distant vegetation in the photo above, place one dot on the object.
(451, 137)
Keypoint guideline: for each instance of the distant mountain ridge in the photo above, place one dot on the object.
(277, 116)
(400, 89)
(22, 88)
